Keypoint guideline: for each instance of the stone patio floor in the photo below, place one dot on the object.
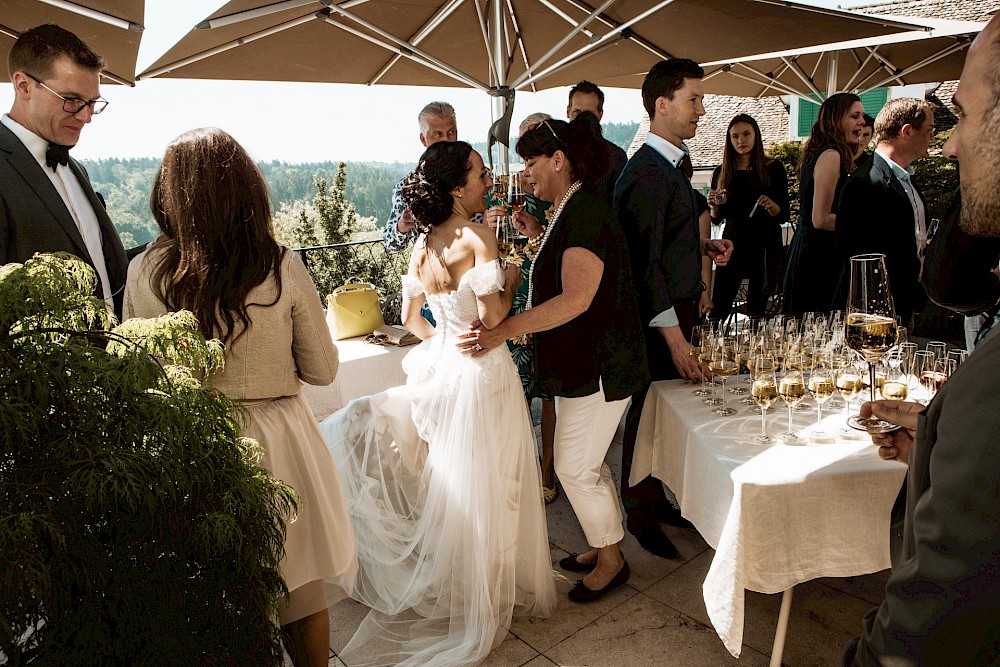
(658, 617)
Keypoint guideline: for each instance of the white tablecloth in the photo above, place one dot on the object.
(776, 515)
(364, 370)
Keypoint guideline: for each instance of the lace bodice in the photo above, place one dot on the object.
(455, 311)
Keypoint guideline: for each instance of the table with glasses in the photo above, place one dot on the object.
(364, 370)
(776, 514)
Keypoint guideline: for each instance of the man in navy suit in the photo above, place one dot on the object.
(47, 203)
(658, 211)
(881, 210)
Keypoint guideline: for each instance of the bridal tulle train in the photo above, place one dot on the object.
(442, 484)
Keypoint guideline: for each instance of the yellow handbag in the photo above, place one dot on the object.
(353, 310)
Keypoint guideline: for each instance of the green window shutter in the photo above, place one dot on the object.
(873, 101)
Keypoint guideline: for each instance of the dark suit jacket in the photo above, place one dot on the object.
(34, 218)
(942, 600)
(605, 188)
(658, 212)
(875, 216)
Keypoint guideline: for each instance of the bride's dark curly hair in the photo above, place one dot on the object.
(443, 167)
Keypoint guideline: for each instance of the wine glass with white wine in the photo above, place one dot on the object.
(870, 324)
(764, 392)
(722, 362)
(792, 389)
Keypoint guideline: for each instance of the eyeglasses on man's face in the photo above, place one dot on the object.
(74, 105)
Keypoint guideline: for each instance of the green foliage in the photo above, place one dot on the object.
(126, 185)
(788, 154)
(937, 178)
(136, 527)
(332, 220)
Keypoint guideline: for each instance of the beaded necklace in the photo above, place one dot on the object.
(545, 237)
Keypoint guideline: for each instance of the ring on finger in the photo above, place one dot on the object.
(478, 347)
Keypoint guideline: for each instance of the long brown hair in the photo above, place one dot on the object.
(828, 132)
(758, 161)
(211, 202)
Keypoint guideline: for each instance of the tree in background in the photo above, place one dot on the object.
(330, 220)
(136, 527)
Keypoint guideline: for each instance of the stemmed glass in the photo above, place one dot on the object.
(709, 341)
(958, 356)
(515, 196)
(792, 389)
(870, 325)
(697, 336)
(501, 181)
(764, 392)
(895, 387)
(849, 384)
(923, 368)
(821, 389)
(722, 362)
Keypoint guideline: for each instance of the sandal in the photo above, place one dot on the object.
(549, 494)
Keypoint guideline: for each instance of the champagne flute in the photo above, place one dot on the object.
(870, 325)
(958, 356)
(516, 198)
(939, 349)
(723, 363)
(792, 389)
(849, 384)
(697, 336)
(821, 389)
(923, 368)
(501, 182)
(764, 392)
(895, 387)
(908, 352)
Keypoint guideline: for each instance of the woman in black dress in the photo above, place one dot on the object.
(827, 159)
(754, 206)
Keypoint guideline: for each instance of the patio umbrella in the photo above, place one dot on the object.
(860, 65)
(520, 44)
(110, 27)
(497, 46)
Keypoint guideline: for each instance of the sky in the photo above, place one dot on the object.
(294, 122)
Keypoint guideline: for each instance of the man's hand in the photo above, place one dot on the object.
(493, 216)
(718, 250)
(405, 222)
(680, 352)
(894, 446)
(527, 225)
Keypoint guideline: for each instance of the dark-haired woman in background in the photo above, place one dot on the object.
(827, 159)
(218, 258)
(585, 324)
(755, 206)
(441, 475)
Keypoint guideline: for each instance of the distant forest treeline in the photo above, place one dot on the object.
(126, 184)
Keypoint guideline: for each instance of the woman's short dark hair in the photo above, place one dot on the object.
(443, 167)
(580, 140)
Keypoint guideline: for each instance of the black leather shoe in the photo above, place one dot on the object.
(571, 564)
(671, 515)
(652, 538)
(580, 593)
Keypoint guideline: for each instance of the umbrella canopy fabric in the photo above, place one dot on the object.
(112, 28)
(490, 44)
(858, 65)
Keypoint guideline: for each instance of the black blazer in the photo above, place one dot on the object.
(875, 216)
(34, 218)
(658, 212)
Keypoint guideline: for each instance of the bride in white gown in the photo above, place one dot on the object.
(441, 475)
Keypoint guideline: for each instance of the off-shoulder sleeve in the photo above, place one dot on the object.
(412, 287)
(485, 279)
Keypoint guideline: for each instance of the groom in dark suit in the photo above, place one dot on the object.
(658, 211)
(881, 210)
(47, 203)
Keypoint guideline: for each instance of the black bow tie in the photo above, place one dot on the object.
(56, 154)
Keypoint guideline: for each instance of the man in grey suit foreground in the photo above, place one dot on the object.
(942, 600)
(47, 203)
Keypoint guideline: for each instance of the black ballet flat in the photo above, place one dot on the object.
(581, 593)
(571, 564)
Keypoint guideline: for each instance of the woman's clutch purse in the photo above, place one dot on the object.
(392, 335)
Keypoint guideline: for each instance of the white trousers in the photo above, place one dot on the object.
(585, 427)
